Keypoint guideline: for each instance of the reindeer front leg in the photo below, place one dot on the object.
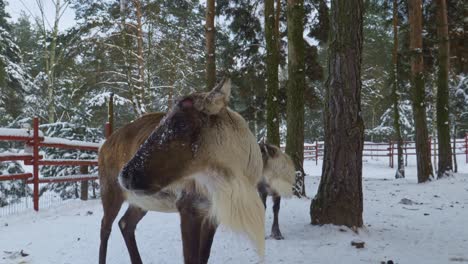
(197, 236)
(208, 230)
(275, 230)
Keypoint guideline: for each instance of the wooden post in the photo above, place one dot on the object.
(110, 114)
(466, 147)
(435, 150)
(35, 144)
(316, 152)
(430, 148)
(390, 151)
(84, 184)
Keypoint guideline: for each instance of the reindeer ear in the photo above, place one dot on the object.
(218, 98)
(272, 150)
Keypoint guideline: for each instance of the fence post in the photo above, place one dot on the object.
(390, 151)
(316, 152)
(435, 150)
(110, 113)
(430, 148)
(84, 184)
(36, 163)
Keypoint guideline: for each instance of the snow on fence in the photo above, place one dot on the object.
(34, 139)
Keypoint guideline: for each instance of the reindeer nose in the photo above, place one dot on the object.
(132, 180)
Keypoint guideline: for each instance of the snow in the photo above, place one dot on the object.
(17, 132)
(404, 221)
(54, 140)
(14, 154)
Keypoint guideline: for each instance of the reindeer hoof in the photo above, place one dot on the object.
(277, 236)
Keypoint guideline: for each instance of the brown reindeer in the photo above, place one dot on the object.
(200, 160)
(278, 179)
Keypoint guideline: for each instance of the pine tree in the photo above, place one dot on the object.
(423, 154)
(296, 87)
(339, 198)
(15, 80)
(271, 40)
(400, 173)
(443, 125)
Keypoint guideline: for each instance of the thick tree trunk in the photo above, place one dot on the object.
(339, 197)
(210, 45)
(296, 87)
(443, 126)
(272, 74)
(423, 155)
(400, 173)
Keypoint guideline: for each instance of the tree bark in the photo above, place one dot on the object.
(423, 155)
(400, 173)
(272, 74)
(464, 59)
(443, 126)
(210, 45)
(339, 198)
(296, 87)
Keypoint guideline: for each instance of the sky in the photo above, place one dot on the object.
(30, 7)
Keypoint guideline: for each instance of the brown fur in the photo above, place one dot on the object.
(213, 155)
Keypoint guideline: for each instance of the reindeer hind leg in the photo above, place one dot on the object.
(111, 202)
(127, 225)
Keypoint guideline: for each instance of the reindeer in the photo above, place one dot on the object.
(200, 160)
(278, 179)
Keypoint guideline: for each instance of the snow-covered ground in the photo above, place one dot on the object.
(429, 228)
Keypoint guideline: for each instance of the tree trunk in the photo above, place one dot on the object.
(400, 173)
(52, 63)
(296, 87)
(339, 197)
(443, 126)
(210, 45)
(140, 87)
(455, 165)
(127, 55)
(272, 74)
(464, 64)
(84, 184)
(423, 155)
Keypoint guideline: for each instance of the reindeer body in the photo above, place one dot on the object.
(200, 160)
(278, 179)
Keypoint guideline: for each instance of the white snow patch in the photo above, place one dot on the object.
(430, 229)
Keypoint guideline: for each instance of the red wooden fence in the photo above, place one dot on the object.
(37, 140)
(315, 151)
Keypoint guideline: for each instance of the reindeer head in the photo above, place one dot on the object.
(168, 152)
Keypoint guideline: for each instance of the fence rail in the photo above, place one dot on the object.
(34, 139)
(315, 151)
